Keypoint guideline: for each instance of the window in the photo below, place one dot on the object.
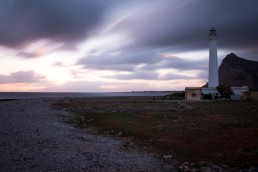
(193, 94)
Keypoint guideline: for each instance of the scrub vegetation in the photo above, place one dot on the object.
(223, 132)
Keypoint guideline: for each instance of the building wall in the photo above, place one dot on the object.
(193, 94)
(212, 91)
(253, 95)
(239, 90)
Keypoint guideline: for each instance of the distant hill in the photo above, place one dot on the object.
(236, 71)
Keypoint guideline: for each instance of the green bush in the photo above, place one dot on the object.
(225, 91)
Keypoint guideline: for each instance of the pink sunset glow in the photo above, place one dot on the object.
(92, 46)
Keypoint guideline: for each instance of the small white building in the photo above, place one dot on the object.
(210, 90)
(193, 93)
(198, 93)
(240, 90)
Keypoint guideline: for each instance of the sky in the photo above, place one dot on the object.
(119, 45)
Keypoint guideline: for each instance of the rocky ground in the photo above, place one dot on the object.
(33, 137)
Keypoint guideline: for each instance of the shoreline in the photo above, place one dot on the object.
(21, 95)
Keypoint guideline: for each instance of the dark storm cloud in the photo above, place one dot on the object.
(173, 76)
(150, 64)
(180, 29)
(250, 54)
(26, 20)
(186, 27)
(150, 75)
(177, 63)
(122, 62)
(180, 25)
(172, 26)
(150, 60)
(149, 71)
(22, 77)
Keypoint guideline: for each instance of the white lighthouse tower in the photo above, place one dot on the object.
(213, 60)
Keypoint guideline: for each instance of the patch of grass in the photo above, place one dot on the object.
(216, 130)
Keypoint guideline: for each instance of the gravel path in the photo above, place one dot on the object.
(33, 137)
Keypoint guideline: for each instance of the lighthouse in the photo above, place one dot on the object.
(196, 93)
(211, 92)
(213, 59)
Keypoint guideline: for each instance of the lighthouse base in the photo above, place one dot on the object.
(210, 90)
(198, 93)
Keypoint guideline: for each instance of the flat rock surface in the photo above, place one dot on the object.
(33, 137)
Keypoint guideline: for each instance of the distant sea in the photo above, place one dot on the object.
(23, 95)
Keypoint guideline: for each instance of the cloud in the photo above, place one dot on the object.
(144, 66)
(178, 26)
(23, 21)
(100, 86)
(182, 25)
(115, 41)
(140, 74)
(59, 64)
(27, 55)
(177, 63)
(76, 86)
(22, 77)
(125, 61)
(158, 76)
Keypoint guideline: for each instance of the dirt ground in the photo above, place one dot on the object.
(127, 134)
(223, 132)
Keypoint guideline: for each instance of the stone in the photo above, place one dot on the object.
(120, 133)
(216, 167)
(84, 125)
(128, 144)
(167, 156)
(201, 163)
(193, 164)
(82, 118)
(253, 169)
(186, 163)
(206, 169)
(89, 120)
(169, 168)
(232, 170)
(185, 106)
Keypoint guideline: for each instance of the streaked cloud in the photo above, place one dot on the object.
(119, 45)
(22, 77)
